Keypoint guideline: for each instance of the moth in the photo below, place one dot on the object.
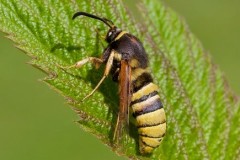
(126, 60)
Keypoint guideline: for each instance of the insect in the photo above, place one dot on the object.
(126, 60)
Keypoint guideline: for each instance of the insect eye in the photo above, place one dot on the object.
(110, 33)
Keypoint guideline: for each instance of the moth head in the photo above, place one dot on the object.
(112, 32)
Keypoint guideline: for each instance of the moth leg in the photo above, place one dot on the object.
(116, 130)
(106, 72)
(96, 61)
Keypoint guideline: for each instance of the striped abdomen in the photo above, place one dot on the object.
(148, 110)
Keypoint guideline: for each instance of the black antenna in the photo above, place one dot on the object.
(104, 20)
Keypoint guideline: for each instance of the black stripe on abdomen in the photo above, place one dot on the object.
(145, 97)
(141, 81)
(149, 108)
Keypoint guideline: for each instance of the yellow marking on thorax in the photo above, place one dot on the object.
(134, 63)
(117, 56)
(144, 91)
(120, 35)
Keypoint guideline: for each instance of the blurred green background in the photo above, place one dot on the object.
(35, 122)
(216, 23)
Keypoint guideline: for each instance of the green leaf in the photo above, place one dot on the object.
(202, 112)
